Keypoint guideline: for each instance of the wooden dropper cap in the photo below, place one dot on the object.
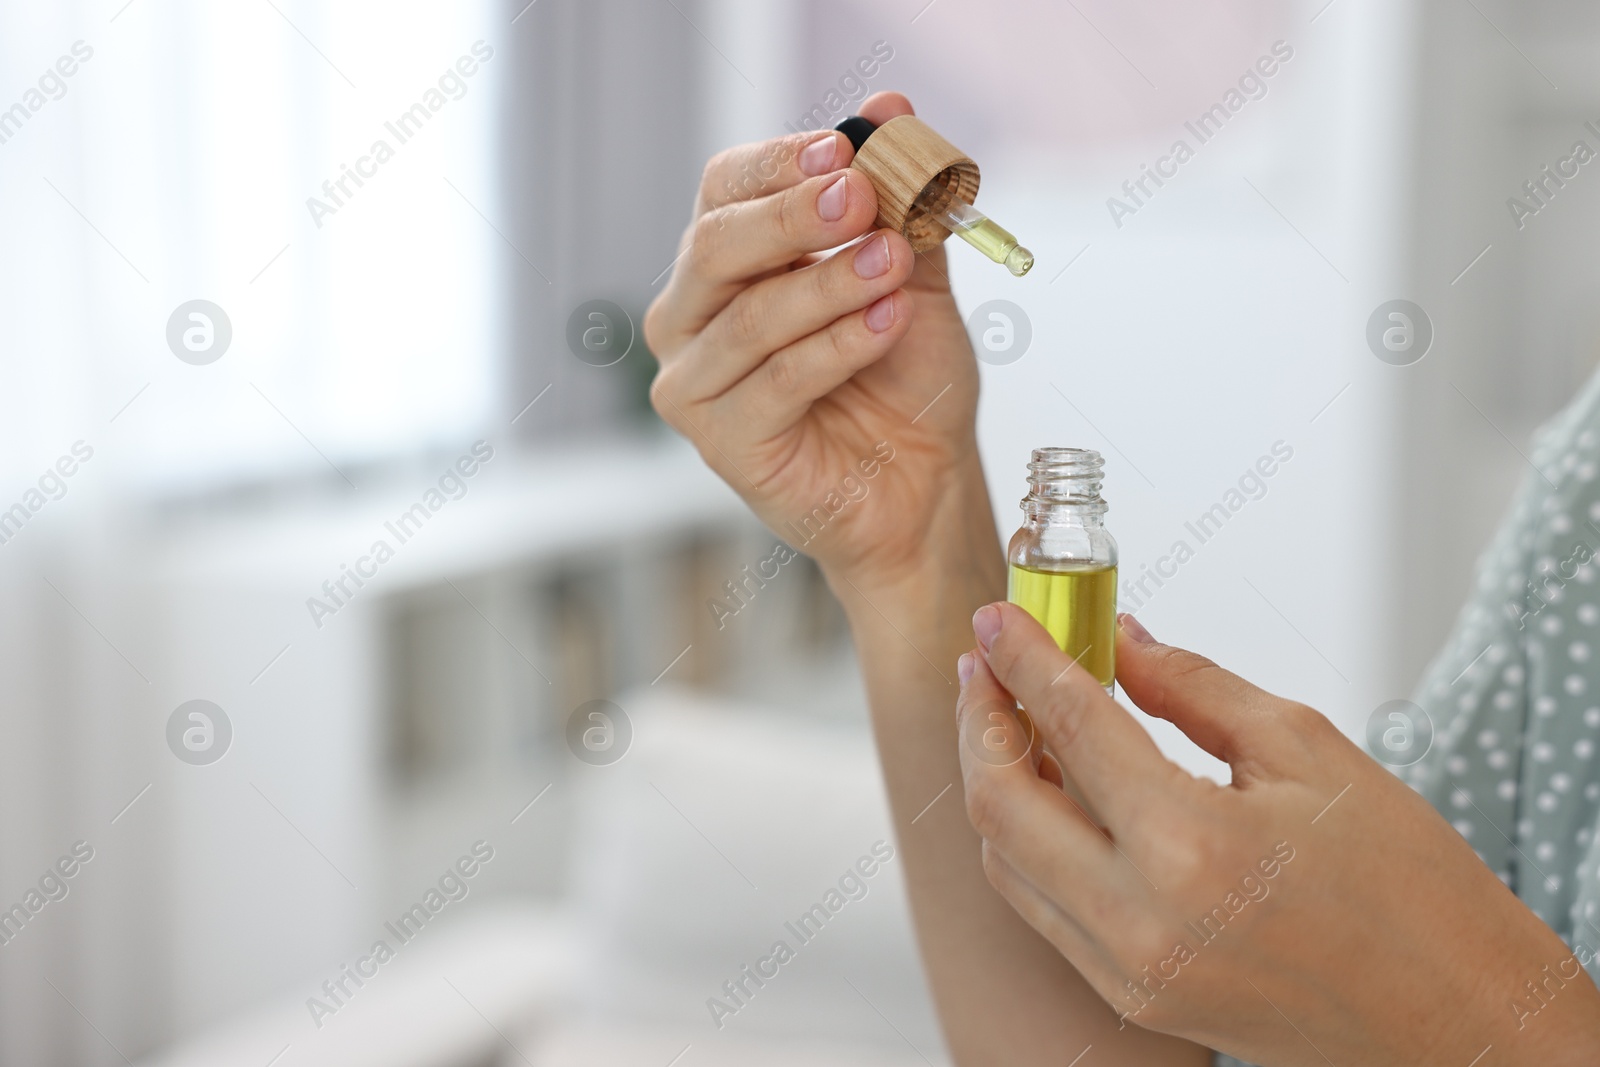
(903, 157)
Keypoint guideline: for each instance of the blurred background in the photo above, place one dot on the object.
(367, 341)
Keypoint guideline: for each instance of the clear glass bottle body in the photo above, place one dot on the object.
(1063, 561)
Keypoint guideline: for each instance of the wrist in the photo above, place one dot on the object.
(934, 588)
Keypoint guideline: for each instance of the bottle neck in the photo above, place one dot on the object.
(1064, 488)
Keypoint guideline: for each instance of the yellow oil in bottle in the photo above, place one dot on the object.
(1078, 607)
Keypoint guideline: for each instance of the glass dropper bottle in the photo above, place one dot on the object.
(1063, 561)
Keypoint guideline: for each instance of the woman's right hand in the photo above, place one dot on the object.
(790, 370)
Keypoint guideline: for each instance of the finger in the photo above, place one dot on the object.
(740, 242)
(881, 107)
(783, 309)
(775, 396)
(1036, 750)
(931, 272)
(1011, 806)
(1100, 747)
(1240, 724)
(753, 170)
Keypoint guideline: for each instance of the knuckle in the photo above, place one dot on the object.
(1178, 669)
(658, 397)
(744, 172)
(706, 238)
(665, 398)
(766, 163)
(1203, 862)
(1305, 724)
(827, 282)
(1306, 718)
(790, 213)
(743, 184)
(1184, 665)
(838, 342)
(1189, 859)
(1060, 716)
(711, 174)
(1145, 943)
(835, 282)
(783, 373)
(743, 320)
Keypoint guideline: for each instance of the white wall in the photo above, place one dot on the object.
(1206, 329)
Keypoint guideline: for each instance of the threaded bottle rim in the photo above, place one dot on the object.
(1071, 476)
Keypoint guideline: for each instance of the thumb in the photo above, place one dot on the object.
(880, 107)
(930, 271)
(1233, 720)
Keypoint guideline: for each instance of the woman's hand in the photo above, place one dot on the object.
(1314, 911)
(790, 370)
(836, 394)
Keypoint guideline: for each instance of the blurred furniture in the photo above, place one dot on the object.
(722, 822)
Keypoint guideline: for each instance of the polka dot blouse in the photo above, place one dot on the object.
(1514, 697)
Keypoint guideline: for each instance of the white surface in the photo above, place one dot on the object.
(507, 966)
(610, 1046)
(661, 913)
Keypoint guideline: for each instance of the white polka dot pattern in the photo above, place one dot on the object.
(1515, 694)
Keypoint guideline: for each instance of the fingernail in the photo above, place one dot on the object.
(1135, 629)
(831, 204)
(873, 258)
(986, 623)
(880, 316)
(817, 157)
(964, 667)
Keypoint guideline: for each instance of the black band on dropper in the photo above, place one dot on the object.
(857, 129)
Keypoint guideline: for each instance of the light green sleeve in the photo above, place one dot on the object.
(1513, 699)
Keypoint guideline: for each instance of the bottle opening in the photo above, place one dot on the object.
(1070, 475)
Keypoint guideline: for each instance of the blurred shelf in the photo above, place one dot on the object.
(518, 508)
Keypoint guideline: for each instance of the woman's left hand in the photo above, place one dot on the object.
(1315, 911)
